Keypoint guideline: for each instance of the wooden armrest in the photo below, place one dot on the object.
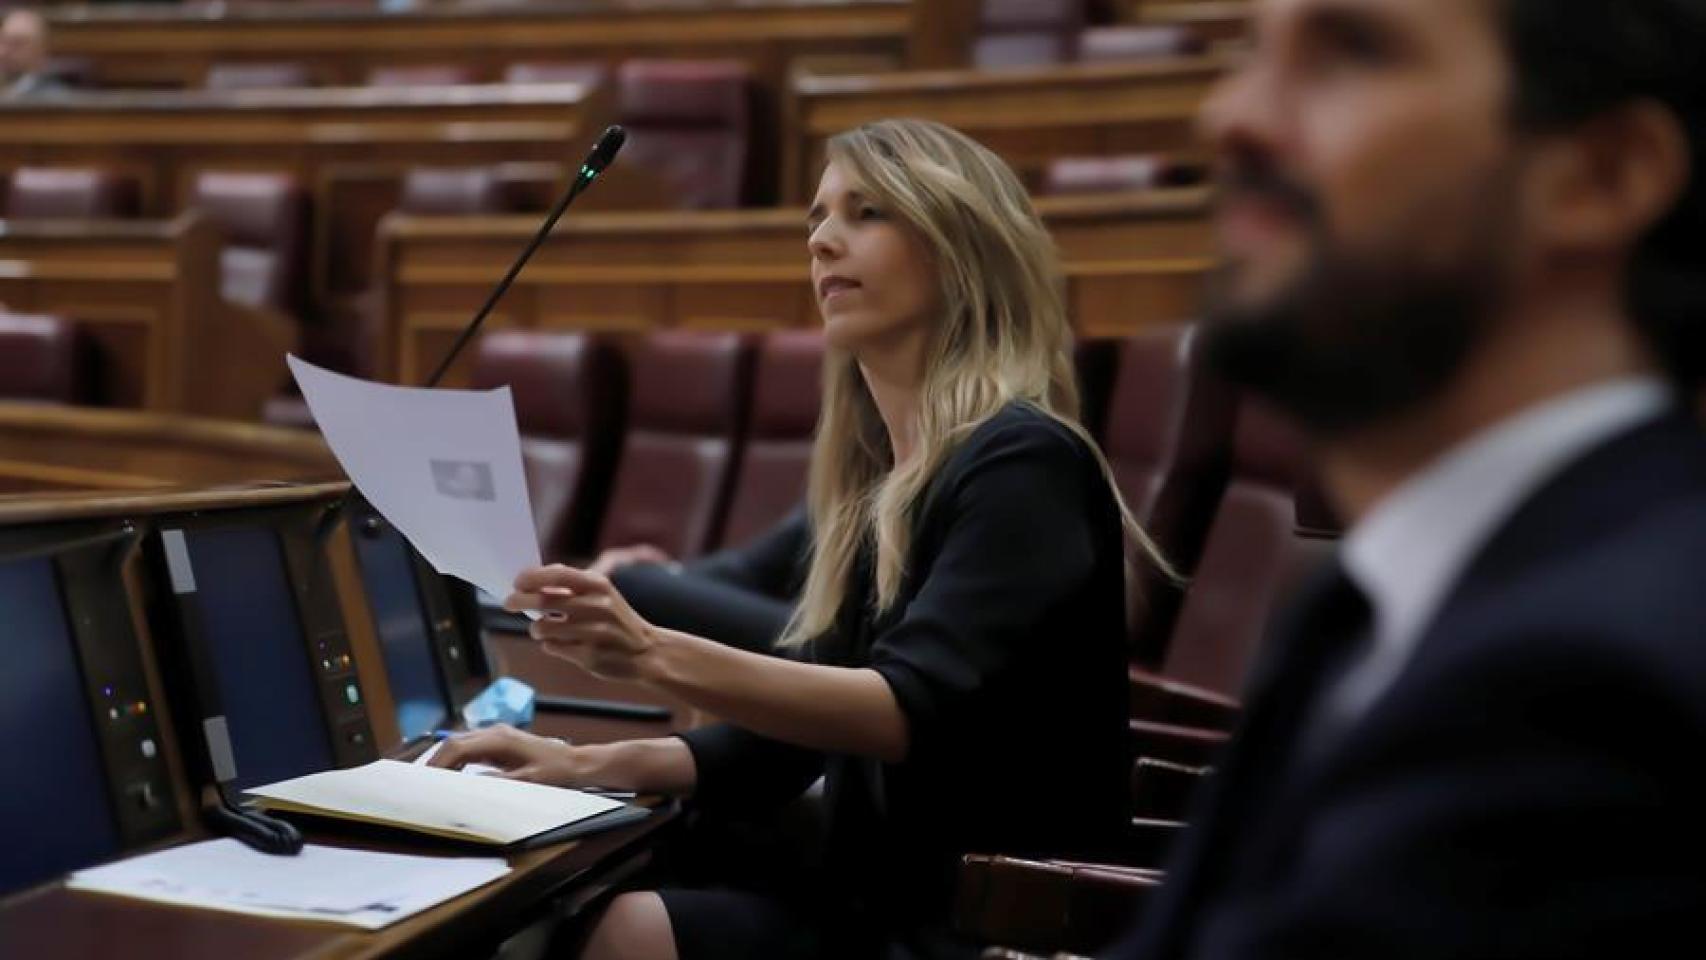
(1046, 906)
(1189, 746)
(1160, 788)
(1149, 841)
(1156, 698)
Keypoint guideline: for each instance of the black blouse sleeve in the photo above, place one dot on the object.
(772, 563)
(1016, 543)
(740, 771)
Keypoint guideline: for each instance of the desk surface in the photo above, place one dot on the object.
(56, 922)
(53, 921)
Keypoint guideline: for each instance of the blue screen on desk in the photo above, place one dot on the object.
(55, 815)
(259, 655)
(405, 631)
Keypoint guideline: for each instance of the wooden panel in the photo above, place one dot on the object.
(349, 147)
(1222, 22)
(155, 45)
(1130, 260)
(942, 32)
(148, 294)
(1029, 116)
(90, 449)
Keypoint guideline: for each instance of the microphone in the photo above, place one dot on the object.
(597, 159)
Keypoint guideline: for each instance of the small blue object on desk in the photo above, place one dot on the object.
(505, 700)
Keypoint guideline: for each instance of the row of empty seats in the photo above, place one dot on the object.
(1028, 33)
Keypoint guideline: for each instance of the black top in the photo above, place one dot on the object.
(1005, 649)
(740, 596)
(1526, 787)
(772, 564)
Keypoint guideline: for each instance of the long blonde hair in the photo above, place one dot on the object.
(1002, 337)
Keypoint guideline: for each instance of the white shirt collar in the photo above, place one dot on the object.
(1410, 550)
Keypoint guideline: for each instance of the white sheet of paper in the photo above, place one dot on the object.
(480, 769)
(489, 808)
(353, 887)
(443, 466)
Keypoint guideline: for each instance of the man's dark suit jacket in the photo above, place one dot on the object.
(1530, 786)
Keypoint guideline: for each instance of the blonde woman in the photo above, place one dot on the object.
(959, 668)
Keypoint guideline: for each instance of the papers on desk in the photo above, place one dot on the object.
(485, 770)
(478, 769)
(445, 803)
(352, 887)
(443, 466)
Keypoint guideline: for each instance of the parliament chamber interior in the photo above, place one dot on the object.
(193, 601)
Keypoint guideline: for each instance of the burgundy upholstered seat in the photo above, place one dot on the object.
(776, 456)
(682, 442)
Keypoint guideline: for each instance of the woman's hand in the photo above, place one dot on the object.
(585, 620)
(521, 756)
(662, 765)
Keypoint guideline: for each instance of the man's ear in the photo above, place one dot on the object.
(1605, 183)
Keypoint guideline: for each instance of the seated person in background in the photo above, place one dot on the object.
(958, 657)
(23, 58)
(1465, 243)
(741, 596)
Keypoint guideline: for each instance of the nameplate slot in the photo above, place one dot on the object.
(218, 736)
(178, 568)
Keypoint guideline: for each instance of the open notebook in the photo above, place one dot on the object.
(445, 803)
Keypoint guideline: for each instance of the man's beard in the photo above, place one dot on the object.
(1362, 337)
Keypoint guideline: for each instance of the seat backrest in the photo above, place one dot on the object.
(690, 128)
(258, 76)
(1025, 33)
(1167, 440)
(776, 457)
(44, 359)
(71, 193)
(422, 75)
(1095, 362)
(1169, 428)
(1127, 43)
(452, 191)
(689, 397)
(1248, 559)
(567, 71)
(264, 217)
(569, 393)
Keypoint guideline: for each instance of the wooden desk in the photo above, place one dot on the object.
(55, 922)
(80, 448)
(1131, 260)
(173, 45)
(368, 136)
(147, 293)
(52, 921)
(1029, 116)
(1221, 22)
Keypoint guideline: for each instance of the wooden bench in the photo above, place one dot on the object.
(340, 143)
(147, 294)
(1130, 260)
(1029, 116)
(174, 45)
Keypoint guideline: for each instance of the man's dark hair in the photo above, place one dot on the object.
(1574, 60)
